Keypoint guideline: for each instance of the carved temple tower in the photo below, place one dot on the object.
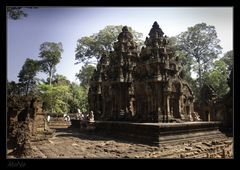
(112, 88)
(160, 92)
(142, 88)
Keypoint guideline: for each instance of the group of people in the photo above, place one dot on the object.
(85, 117)
(66, 117)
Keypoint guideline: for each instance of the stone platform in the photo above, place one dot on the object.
(159, 133)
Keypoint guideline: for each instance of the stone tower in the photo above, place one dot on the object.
(141, 88)
(160, 92)
(111, 91)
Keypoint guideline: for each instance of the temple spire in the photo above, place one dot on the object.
(156, 31)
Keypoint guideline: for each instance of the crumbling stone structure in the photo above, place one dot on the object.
(209, 103)
(228, 105)
(145, 87)
(215, 108)
(25, 120)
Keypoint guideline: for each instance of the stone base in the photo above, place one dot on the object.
(159, 133)
(75, 123)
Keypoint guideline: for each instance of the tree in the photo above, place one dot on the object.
(186, 63)
(78, 99)
(217, 78)
(55, 97)
(183, 57)
(50, 53)
(90, 48)
(13, 88)
(200, 43)
(16, 13)
(59, 79)
(85, 75)
(228, 60)
(27, 74)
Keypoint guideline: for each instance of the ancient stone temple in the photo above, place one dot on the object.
(145, 87)
(142, 96)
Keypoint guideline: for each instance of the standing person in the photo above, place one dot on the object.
(91, 117)
(48, 118)
(79, 114)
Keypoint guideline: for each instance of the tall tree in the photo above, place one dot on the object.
(50, 53)
(85, 75)
(200, 42)
(90, 48)
(27, 74)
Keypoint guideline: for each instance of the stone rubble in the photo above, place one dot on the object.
(67, 143)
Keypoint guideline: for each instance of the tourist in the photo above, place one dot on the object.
(91, 117)
(48, 118)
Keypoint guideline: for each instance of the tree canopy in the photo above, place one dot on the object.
(228, 59)
(50, 53)
(90, 48)
(55, 97)
(85, 75)
(217, 77)
(27, 74)
(200, 43)
(16, 12)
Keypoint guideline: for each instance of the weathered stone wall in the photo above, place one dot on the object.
(25, 117)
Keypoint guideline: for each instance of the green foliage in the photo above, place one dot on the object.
(85, 75)
(228, 60)
(59, 79)
(217, 78)
(55, 97)
(186, 62)
(50, 53)
(91, 47)
(183, 57)
(78, 99)
(62, 98)
(200, 43)
(15, 13)
(27, 74)
(12, 88)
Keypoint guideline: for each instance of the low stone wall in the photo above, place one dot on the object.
(158, 133)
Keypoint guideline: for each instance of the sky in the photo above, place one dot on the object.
(68, 24)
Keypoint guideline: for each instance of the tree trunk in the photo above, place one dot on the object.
(199, 73)
(50, 83)
(50, 77)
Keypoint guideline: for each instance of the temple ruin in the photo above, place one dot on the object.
(141, 87)
(26, 122)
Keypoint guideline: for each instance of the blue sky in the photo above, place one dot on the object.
(68, 24)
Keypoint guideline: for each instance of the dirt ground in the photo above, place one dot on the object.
(71, 143)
